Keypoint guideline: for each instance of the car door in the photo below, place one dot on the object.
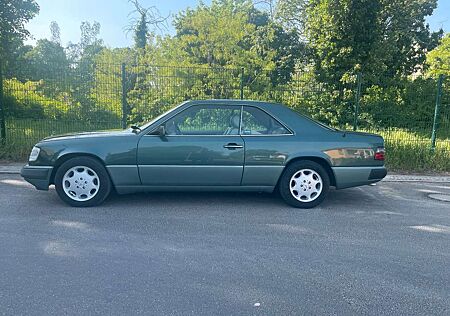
(201, 146)
(267, 144)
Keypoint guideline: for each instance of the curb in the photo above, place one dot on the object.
(11, 168)
(15, 169)
(416, 178)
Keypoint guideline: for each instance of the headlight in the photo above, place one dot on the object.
(34, 153)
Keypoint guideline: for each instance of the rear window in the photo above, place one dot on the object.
(257, 122)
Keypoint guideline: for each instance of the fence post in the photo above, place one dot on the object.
(357, 99)
(436, 111)
(2, 109)
(124, 97)
(242, 83)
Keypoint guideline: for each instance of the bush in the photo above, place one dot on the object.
(409, 104)
(23, 100)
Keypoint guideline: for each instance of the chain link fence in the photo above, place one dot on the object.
(412, 115)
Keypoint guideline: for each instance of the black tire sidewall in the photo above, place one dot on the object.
(291, 169)
(105, 182)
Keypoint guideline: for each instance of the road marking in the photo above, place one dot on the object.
(291, 228)
(19, 183)
(433, 228)
(440, 197)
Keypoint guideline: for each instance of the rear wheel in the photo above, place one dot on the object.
(82, 182)
(304, 184)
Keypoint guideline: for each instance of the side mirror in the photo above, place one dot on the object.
(161, 130)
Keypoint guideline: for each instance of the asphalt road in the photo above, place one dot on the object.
(375, 250)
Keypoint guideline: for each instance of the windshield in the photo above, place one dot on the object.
(158, 117)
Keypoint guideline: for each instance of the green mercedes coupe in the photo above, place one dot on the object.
(211, 145)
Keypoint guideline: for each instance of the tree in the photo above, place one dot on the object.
(236, 34)
(14, 14)
(291, 14)
(382, 38)
(47, 60)
(89, 43)
(89, 34)
(285, 44)
(14, 63)
(438, 60)
(141, 32)
(215, 35)
(148, 20)
(55, 32)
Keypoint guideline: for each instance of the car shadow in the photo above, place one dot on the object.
(239, 200)
(361, 196)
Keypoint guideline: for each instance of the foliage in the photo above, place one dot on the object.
(46, 61)
(14, 14)
(292, 14)
(141, 32)
(381, 38)
(23, 100)
(56, 33)
(106, 89)
(438, 60)
(89, 43)
(30, 100)
(148, 20)
(408, 103)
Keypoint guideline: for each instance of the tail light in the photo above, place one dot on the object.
(379, 154)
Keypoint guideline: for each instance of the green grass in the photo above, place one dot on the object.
(405, 150)
(408, 151)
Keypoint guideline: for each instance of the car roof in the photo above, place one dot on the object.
(268, 106)
(230, 101)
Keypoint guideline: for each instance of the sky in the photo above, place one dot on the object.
(113, 16)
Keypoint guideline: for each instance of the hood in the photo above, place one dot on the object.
(86, 135)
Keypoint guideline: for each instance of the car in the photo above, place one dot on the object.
(210, 145)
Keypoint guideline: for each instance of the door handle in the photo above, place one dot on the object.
(232, 146)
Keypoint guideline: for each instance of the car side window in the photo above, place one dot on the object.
(205, 120)
(257, 122)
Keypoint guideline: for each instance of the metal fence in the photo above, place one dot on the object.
(98, 96)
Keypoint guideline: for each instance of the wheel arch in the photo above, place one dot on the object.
(65, 157)
(317, 159)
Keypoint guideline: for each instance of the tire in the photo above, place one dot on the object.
(304, 184)
(82, 182)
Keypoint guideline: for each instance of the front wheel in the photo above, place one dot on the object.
(304, 184)
(82, 182)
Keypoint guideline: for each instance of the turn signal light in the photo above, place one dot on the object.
(379, 154)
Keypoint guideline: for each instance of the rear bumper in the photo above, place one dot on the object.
(347, 177)
(39, 176)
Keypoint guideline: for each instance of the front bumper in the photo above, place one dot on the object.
(347, 177)
(39, 176)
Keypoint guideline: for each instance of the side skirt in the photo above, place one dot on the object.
(148, 188)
